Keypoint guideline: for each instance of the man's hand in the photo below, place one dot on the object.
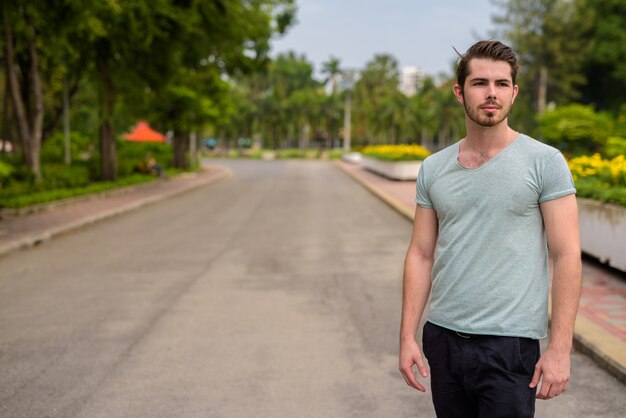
(554, 370)
(411, 354)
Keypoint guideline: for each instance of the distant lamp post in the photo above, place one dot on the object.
(347, 82)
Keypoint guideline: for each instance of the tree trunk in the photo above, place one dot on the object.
(181, 142)
(57, 112)
(542, 89)
(67, 153)
(28, 128)
(37, 116)
(5, 117)
(328, 140)
(108, 149)
(274, 137)
(192, 149)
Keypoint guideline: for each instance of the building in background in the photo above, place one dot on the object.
(411, 80)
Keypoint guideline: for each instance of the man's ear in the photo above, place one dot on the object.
(458, 93)
(515, 91)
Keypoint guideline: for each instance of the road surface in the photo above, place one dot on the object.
(275, 293)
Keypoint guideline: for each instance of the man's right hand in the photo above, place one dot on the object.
(410, 354)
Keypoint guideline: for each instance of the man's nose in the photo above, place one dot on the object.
(491, 91)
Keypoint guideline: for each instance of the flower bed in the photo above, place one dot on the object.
(396, 152)
(397, 162)
(600, 179)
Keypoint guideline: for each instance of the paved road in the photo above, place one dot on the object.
(275, 293)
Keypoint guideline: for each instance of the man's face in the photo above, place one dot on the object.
(488, 92)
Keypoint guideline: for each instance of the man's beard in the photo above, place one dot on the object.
(486, 121)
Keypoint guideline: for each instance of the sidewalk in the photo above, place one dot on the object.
(601, 322)
(18, 232)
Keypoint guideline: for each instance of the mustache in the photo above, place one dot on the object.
(491, 103)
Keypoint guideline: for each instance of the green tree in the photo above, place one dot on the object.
(450, 113)
(235, 36)
(551, 38)
(331, 118)
(424, 113)
(605, 67)
(332, 70)
(136, 44)
(377, 83)
(290, 100)
(394, 117)
(22, 23)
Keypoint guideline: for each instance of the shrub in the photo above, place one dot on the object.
(82, 148)
(57, 176)
(599, 190)
(132, 156)
(288, 153)
(255, 154)
(615, 146)
(17, 197)
(5, 173)
(311, 154)
(335, 154)
(233, 153)
(575, 129)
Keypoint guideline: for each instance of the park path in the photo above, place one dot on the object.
(273, 293)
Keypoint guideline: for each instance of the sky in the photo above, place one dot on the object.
(417, 33)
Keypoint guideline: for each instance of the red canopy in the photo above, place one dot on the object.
(143, 133)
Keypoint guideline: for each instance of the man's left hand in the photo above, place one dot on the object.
(553, 368)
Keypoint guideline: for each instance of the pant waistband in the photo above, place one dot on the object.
(461, 334)
(467, 336)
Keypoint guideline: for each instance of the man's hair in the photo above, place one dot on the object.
(493, 50)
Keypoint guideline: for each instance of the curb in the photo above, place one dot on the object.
(39, 238)
(604, 348)
(386, 198)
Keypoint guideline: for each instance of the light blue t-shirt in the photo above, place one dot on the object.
(490, 274)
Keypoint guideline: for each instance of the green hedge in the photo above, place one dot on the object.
(6, 170)
(82, 148)
(132, 156)
(575, 128)
(614, 146)
(597, 190)
(21, 196)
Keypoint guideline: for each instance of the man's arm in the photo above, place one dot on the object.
(560, 217)
(416, 288)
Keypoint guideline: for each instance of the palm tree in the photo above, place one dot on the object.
(378, 82)
(332, 70)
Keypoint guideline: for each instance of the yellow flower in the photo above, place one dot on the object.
(396, 152)
(612, 172)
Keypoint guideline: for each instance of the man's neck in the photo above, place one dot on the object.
(486, 139)
(483, 143)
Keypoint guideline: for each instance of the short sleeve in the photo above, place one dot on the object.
(421, 195)
(557, 179)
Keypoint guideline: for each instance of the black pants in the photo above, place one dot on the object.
(480, 376)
